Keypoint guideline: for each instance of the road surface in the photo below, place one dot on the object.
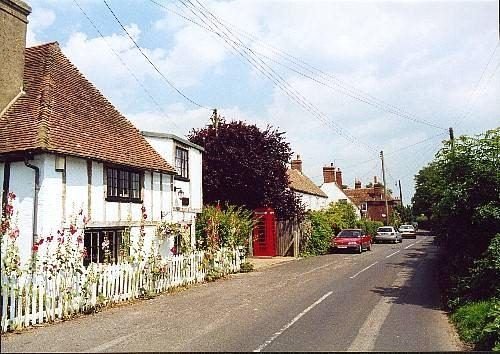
(381, 300)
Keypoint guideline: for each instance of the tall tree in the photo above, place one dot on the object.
(246, 166)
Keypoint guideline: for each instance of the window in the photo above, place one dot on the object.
(364, 206)
(123, 185)
(181, 162)
(106, 246)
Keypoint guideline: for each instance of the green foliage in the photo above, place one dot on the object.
(321, 234)
(246, 267)
(246, 166)
(478, 323)
(325, 224)
(216, 228)
(369, 226)
(458, 194)
(341, 215)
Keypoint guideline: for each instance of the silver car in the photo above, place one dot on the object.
(387, 234)
(407, 231)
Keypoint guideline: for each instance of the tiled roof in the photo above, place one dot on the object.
(362, 195)
(300, 183)
(64, 113)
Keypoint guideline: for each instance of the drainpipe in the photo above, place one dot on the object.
(35, 201)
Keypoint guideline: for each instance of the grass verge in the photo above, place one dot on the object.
(478, 323)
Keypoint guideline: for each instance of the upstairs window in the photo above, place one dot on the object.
(182, 162)
(123, 185)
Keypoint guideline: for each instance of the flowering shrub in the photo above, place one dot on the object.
(216, 228)
(11, 262)
(167, 230)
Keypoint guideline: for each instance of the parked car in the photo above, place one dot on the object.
(388, 234)
(355, 239)
(407, 231)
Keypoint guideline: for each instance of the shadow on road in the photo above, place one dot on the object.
(417, 283)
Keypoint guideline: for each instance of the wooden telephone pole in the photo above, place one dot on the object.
(385, 189)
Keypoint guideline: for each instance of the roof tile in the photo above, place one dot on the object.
(63, 112)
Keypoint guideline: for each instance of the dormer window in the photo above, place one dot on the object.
(182, 162)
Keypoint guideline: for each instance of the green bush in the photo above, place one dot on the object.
(318, 241)
(478, 323)
(370, 227)
(246, 267)
(228, 227)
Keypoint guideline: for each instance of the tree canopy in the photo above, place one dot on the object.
(246, 166)
(459, 192)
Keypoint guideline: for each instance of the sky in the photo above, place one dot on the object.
(343, 79)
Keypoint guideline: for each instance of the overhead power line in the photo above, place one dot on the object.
(247, 54)
(148, 93)
(312, 73)
(475, 93)
(150, 61)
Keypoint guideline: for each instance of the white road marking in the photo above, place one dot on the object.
(369, 331)
(110, 344)
(418, 241)
(362, 270)
(318, 268)
(392, 254)
(289, 324)
(409, 245)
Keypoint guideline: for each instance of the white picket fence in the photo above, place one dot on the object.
(37, 298)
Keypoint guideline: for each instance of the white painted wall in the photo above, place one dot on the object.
(312, 202)
(55, 211)
(192, 189)
(335, 194)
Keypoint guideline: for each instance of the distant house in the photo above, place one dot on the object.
(312, 196)
(371, 200)
(332, 187)
(65, 148)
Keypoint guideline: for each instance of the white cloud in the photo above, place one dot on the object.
(40, 20)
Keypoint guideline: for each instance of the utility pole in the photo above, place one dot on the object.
(400, 192)
(452, 139)
(385, 189)
(215, 119)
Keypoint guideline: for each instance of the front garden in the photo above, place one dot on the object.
(55, 283)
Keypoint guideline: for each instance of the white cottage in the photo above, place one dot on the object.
(65, 148)
(311, 195)
(332, 187)
(186, 156)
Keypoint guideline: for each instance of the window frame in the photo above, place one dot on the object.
(124, 184)
(95, 253)
(183, 171)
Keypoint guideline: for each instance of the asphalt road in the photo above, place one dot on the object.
(382, 300)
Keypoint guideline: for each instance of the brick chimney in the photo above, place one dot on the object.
(338, 177)
(357, 184)
(329, 174)
(13, 23)
(297, 164)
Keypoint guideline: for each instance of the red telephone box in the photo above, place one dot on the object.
(264, 232)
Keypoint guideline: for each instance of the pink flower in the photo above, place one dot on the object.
(145, 216)
(12, 195)
(80, 212)
(34, 248)
(13, 234)
(50, 238)
(40, 241)
(72, 229)
(79, 239)
(173, 250)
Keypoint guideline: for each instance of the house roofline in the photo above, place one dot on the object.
(173, 137)
(18, 155)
